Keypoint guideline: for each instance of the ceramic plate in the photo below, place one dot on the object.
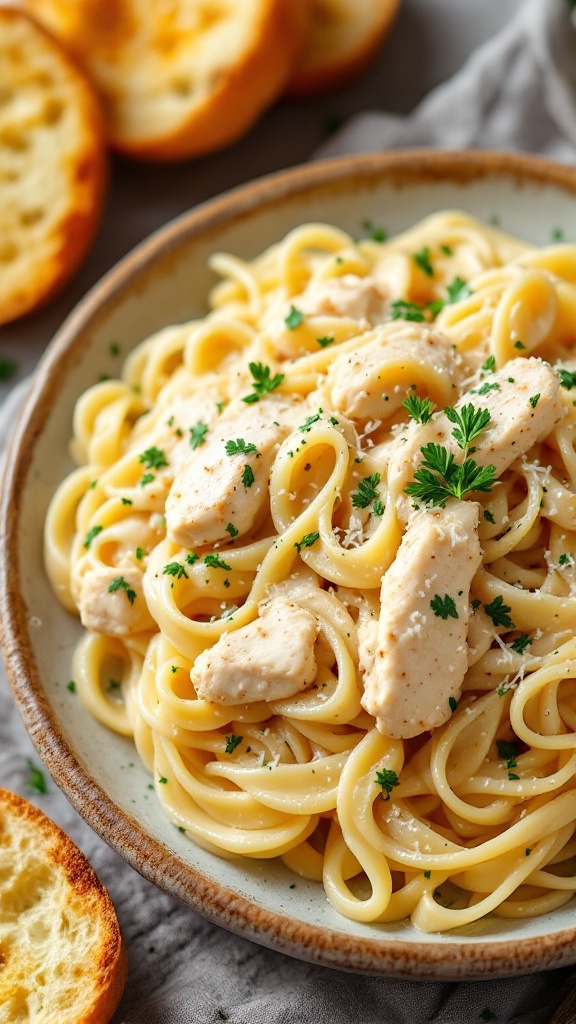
(163, 281)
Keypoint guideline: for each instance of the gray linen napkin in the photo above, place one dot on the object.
(512, 94)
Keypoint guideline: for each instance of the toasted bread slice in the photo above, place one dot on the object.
(342, 38)
(184, 78)
(52, 165)
(62, 960)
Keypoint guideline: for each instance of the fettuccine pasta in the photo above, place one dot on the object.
(323, 545)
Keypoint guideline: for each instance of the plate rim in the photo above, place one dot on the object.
(389, 957)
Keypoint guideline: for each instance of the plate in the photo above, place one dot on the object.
(163, 281)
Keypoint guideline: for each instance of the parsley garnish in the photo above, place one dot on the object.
(534, 400)
(519, 345)
(294, 318)
(162, 780)
(113, 684)
(36, 782)
(147, 479)
(521, 643)
(366, 491)
(489, 516)
(447, 250)
(215, 562)
(231, 743)
(198, 434)
(231, 529)
(314, 418)
(91, 534)
(490, 365)
(469, 423)
(567, 379)
(376, 234)
(153, 458)
(140, 552)
(324, 342)
(427, 874)
(387, 779)
(262, 383)
(558, 233)
(71, 686)
(120, 584)
(378, 508)
(422, 260)
(508, 752)
(403, 310)
(498, 612)
(486, 387)
(439, 478)
(191, 557)
(444, 607)
(239, 447)
(175, 569)
(307, 541)
(458, 290)
(247, 477)
(565, 559)
(419, 409)
(7, 368)
(453, 704)
(126, 501)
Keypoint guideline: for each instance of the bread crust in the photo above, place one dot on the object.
(79, 891)
(107, 37)
(343, 38)
(53, 165)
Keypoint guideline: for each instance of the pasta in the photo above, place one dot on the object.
(323, 544)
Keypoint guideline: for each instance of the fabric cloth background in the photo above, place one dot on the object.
(518, 91)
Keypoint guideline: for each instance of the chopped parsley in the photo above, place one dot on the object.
(521, 643)
(419, 409)
(490, 365)
(324, 342)
(231, 529)
(113, 684)
(93, 532)
(198, 434)
(403, 310)
(247, 477)
(294, 319)
(153, 458)
(215, 562)
(458, 290)
(191, 557)
(120, 584)
(126, 501)
(262, 382)
(427, 874)
(470, 422)
(444, 607)
(373, 232)
(35, 782)
(240, 447)
(489, 516)
(447, 250)
(422, 260)
(366, 492)
(307, 541)
(114, 348)
(508, 752)
(147, 479)
(534, 400)
(486, 387)
(519, 345)
(567, 379)
(378, 508)
(565, 559)
(71, 686)
(162, 780)
(453, 704)
(175, 569)
(231, 743)
(498, 612)
(558, 233)
(387, 779)
(310, 420)
(140, 553)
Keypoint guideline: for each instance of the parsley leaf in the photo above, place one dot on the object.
(231, 529)
(175, 569)
(324, 342)
(71, 686)
(307, 541)
(147, 479)
(153, 458)
(294, 318)
(231, 743)
(489, 516)
(378, 508)
(366, 491)
(508, 752)
(490, 365)
(215, 562)
(198, 434)
(422, 260)
(453, 704)
(191, 557)
(470, 422)
(247, 477)
(440, 478)
(376, 234)
(458, 290)
(36, 782)
(387, 779)
(314, 418)
(444, 607)
(262, 382)
(565, 559)
(120, 584)
(498, 612)
(534, 400)
(419, 409)
(93, 532)
(403, 310)
(240, 447)
(521, 643)
(567, 379)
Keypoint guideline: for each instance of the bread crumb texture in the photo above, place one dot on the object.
(181, 78)
(52, 165)
(62, 960)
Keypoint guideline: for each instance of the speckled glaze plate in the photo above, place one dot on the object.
(163, 281)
